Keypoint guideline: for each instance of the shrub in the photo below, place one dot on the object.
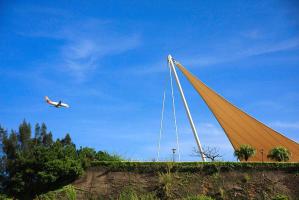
(166, 180)
(67, 192)
(280, 197)
(70, 192)
(244, 152)
(149, 167)
(279, 154)
(210, 169)
(246, 178)
(128, 193)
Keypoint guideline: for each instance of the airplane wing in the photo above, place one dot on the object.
(58, 104)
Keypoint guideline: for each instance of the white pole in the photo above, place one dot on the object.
(174, 115)
(170, 60)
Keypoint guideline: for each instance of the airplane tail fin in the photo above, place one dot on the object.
(47, 99)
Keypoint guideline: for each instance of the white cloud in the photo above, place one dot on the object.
(83, 50)
(229, 50)
(286, 125)
(83, 44)
(242, 51)
(253, 34)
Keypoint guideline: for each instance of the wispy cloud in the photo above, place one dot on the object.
(82, 43)
(81, 55)
(230, 50)
(285, 125)
(252, 34)
(242, 51)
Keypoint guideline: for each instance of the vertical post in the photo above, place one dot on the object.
(262, 152)
(173, 155)
(170, 60)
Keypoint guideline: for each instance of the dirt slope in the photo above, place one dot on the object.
(102, 182)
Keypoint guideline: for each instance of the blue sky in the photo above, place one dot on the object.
(107, 59)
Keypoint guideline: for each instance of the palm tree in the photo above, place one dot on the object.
(244, 152)
(279, 154)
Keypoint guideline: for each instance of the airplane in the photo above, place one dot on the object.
(56, 104)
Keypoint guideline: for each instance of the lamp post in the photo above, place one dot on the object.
(262, 152)
(173, 154)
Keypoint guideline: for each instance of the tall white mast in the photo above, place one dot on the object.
(170, 60)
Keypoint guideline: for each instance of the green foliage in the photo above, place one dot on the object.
(41, 168)
(67, 192)
(199, 197)
(31, 166)
(4, 197)
(128, 193)
(148, 167)
(166, 180)
(244, 152)
(70, 192)
(105, 156)
(280, 197)
(210, 169)
(280, 154)
(88, 155)
(246, 178)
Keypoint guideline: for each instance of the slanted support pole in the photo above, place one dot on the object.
(170, 60)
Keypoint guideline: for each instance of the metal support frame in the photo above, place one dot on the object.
(170, 60)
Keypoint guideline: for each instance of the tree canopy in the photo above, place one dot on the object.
(33, 165)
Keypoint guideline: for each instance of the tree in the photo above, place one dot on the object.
(37, 131)
(31, 166)
(3, 135)
(67, 140)
(280, 154)
(48, 139)
(105, 156)
(24, 135)
(87, 155)
(43, 131)
(211, 153)
(244, 152)
(28, 170)
(10, 145)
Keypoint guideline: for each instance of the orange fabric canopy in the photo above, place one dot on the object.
(239, 127)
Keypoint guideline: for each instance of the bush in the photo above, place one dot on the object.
(128, 194)
(244, 152)
(67, 192)
(166, 181)
(153, 167)
(280, 197)
(279, 154)
(210, 169)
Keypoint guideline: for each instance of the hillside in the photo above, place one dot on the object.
(112, 180)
